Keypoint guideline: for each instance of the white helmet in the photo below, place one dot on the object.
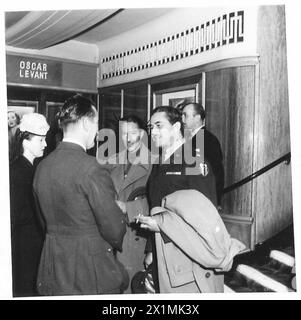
(34, 123)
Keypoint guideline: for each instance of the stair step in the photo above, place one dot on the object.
(272, 261)
(282, 258)
(260, 278)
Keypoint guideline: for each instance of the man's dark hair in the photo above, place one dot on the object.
(198, 109)
(135, 119)
(74, 109)
(16, 146)
(173, 115)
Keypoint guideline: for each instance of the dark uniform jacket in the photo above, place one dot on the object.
(213, 154)
(171, 176)
(26, 233)
(177, 174)
(84, 225)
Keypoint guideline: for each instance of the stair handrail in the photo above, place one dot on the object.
(286, 158)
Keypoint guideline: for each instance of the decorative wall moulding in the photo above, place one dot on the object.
(223, 30)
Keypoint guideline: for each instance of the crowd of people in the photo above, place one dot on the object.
(143, 223)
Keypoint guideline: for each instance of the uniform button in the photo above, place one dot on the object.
(109, 249)
(39, 284)
(207, 275)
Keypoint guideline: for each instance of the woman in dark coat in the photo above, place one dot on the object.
(26, 234)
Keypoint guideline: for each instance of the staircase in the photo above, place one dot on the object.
(270, 268)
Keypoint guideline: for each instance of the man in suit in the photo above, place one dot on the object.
(129, 175)
(171, 174)
(193, 115)
(84, 225)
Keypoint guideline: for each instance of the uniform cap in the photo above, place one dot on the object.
(34, 123)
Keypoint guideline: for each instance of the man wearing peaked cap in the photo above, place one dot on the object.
(84, 225)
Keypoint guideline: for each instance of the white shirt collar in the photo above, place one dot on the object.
(173, 148)
(74, 141)
(195, 131)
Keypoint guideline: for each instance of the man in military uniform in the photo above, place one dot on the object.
(173, 173)
(84, 225)
(129, 174)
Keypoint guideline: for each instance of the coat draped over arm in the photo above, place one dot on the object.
(200, 245)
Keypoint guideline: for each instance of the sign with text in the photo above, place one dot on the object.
(35, 71)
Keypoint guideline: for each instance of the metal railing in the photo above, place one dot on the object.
(286, 158)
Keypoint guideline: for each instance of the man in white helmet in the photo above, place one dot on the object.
(84, 225)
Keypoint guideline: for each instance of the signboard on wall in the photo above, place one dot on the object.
(50, 73)
(34, 71)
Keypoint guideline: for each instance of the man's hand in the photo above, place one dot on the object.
(148, 223)
(148, 259)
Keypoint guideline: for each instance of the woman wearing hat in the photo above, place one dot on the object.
(27, 237)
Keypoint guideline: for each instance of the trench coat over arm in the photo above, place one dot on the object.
(131, 189)
(200, 247)
(84, 225)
